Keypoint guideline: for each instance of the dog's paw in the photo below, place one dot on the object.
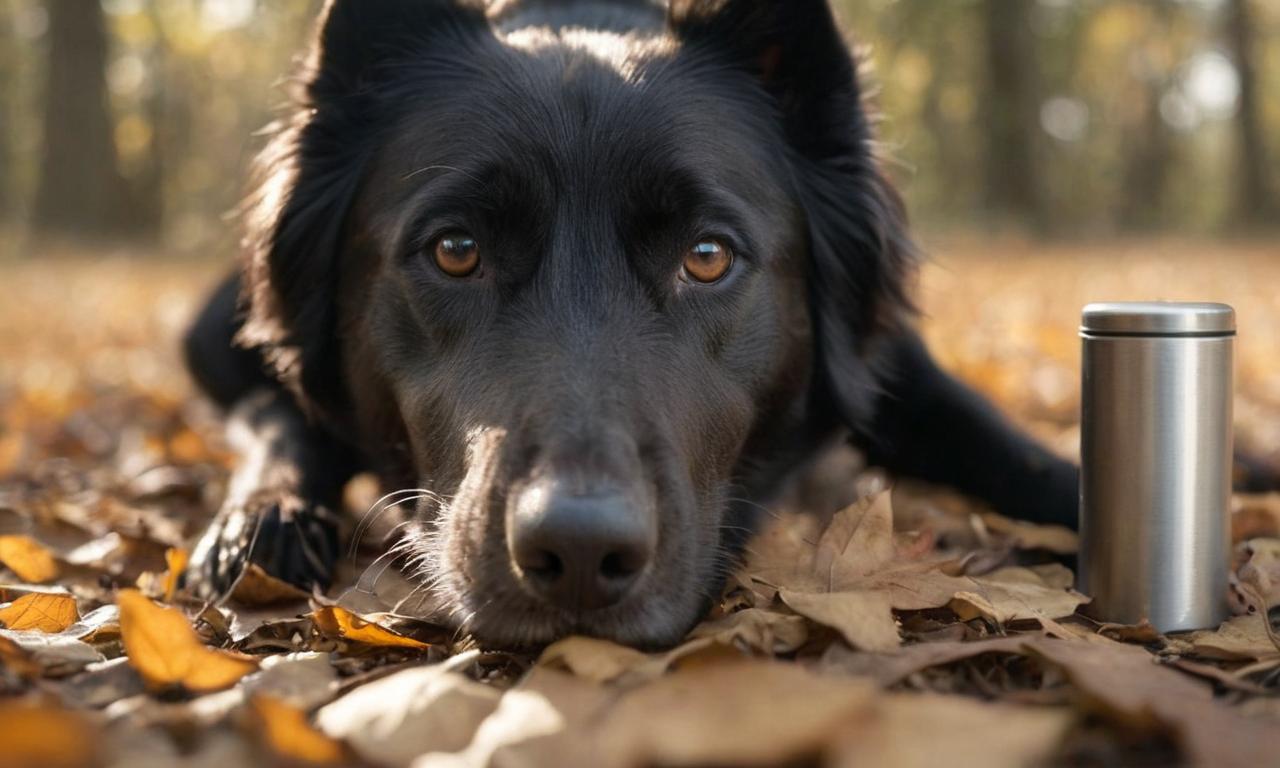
(290, 538)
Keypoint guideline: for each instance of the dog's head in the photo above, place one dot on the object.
(583, 288)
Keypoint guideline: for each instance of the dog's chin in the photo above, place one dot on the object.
(512, 620)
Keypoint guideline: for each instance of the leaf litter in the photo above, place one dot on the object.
(911, 628)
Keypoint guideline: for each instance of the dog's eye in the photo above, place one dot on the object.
(457, 254)
(708, 261)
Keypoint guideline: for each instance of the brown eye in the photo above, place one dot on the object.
(708, 261)
(457, 254)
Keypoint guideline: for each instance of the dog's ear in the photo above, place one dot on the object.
(307, 177)
(862, 258)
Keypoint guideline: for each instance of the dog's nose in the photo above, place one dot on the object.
(579, 552)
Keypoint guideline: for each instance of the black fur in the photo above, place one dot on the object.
(585, 146)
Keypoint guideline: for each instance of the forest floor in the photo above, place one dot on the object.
(911, 629)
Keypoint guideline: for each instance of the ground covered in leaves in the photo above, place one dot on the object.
(912, 628)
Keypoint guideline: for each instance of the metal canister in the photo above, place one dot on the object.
(1156, 458)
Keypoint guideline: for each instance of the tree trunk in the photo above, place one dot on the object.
(1010, 174)
(81, 191)
(1253, 193)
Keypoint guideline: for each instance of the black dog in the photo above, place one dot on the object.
(597, 278)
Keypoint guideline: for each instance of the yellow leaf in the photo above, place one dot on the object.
(288, 733)
(166, 651)
(41, 612)
(46, 737)
(27, 558)
(177, 560)
(339, 622)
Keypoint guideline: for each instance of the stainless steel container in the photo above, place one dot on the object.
(1156, 453)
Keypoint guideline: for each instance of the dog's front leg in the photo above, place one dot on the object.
(281, 507)
(927, 425)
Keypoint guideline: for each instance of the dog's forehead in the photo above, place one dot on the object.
(625, 54)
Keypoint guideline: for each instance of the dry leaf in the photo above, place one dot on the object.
(166, 651)
(393, 720)
(599, 661)
(289, 735)
(889, 669)
(1126, 682)
(1018, 593)
(339, 622)
(927, 730)
(256, 587)
(756, 629)
(1024, 535)
(176, 558)
(864, 619)
(48, 613)
(1240, 638)
(743, 713)
(34, 736)
(28, 559)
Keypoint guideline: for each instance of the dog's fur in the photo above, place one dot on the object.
(586, 146)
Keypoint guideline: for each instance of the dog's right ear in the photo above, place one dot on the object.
(308, 175)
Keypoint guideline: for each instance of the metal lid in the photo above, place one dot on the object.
(1158, 318)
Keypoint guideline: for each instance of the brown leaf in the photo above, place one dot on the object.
(756, 629)
(1240, 638)
(288, 734)
(930, 730)
(35, 736)
(256, 587)
(1126, 682)
(393, 720)
(176, 558)
(864, 619)
(166, 651)
(599, 661)
(28, 559)
(1018, 593)
(341, 623)
(889, 669)
(46, 613)
(1024, 535)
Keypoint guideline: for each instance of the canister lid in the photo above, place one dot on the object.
(1158, 318)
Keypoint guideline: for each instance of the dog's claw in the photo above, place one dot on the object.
(289, 538)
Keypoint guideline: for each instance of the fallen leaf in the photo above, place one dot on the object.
(1126, 682)
(28, 559)
(756, 629)
(302, 680)
(1016, 593)
(338, 622)
(928, 730)
(889, 669)
(1024, 535)
(394, 720)
(36, 736)
(289, 735)
(864, 619)
(57, 655)
(256, 587)
(166, 651)
(742, 713)
(1239, 638)
(40, 612)
(599, 661)
(176, 558)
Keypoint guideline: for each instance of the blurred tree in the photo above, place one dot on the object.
(1254, 202)
(1149, 143)
(1011, 111)
(6, 120)
(81, 191)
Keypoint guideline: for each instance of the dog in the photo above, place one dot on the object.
(594, 281)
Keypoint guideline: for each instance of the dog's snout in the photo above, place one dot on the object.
(580, 552)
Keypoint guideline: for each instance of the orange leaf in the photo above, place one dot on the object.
(166, 651)
(288, 733)
(47, 737)
(177, 559)
(41, 612)
(28, 558)
(339, 622)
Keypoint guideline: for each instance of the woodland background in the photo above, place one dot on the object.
(134, 119)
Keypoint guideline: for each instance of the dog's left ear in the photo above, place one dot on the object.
(862, 256)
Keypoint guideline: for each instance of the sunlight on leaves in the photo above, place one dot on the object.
(165, 650)
(28, 559)
(40, 612)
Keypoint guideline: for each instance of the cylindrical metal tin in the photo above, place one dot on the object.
(1156, 453)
